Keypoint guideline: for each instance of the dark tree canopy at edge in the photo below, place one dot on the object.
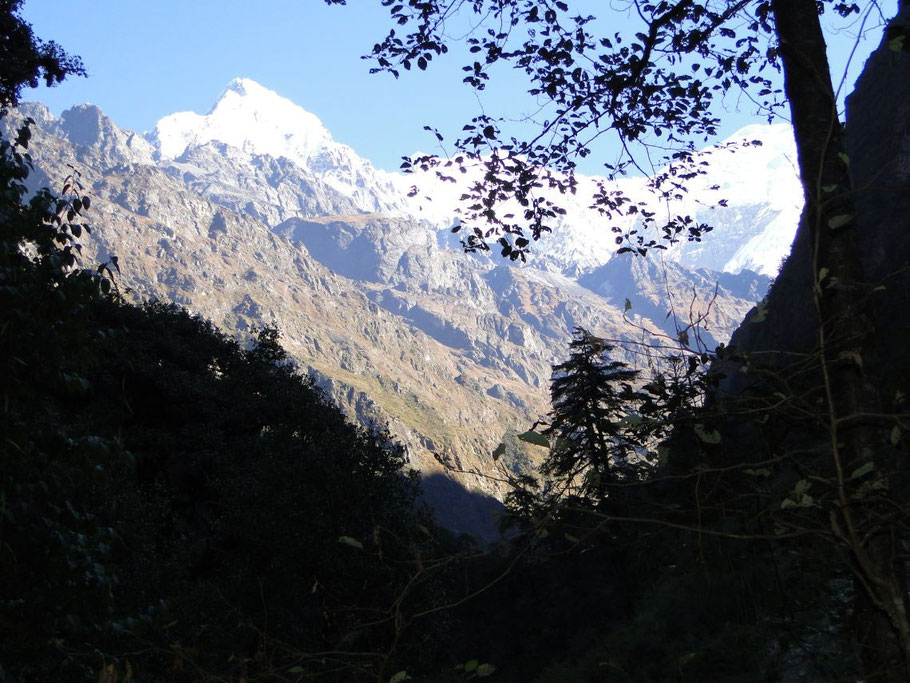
(25, 60)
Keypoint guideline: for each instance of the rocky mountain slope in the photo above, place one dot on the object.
(252, 215)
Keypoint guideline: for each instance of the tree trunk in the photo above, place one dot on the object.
(845, 345)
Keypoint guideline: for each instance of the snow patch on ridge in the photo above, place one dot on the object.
(761, 185)
(759, 182)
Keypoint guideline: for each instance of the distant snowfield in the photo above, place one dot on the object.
(754, 232)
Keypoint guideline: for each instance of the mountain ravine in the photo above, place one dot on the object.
(402, 329)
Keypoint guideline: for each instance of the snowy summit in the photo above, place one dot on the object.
(249, 117)
(258, 121)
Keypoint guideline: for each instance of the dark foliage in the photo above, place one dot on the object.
(591, 422)
(175, 503)
(25, 60)
(807, 462)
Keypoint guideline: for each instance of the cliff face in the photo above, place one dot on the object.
(878, 140)
(878, 134)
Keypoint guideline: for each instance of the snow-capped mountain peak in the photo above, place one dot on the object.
(760, 184)
(249, 117)
(258, 121)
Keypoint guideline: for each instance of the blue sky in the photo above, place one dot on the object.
(152, 58)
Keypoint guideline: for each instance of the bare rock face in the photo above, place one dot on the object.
(268, 189)
(366, 247)
(96, 137)
(669, 294)
(447, 350)
(878, 136)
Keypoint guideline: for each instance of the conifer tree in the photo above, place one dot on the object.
(591, 427)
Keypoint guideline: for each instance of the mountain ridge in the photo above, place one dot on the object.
(252, 118)
(450, 351)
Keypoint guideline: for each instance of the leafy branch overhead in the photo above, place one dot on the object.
(652, 87)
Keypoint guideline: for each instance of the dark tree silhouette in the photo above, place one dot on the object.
(590, 428)
(25, 60)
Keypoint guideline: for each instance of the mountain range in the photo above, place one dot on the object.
(253, 215)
